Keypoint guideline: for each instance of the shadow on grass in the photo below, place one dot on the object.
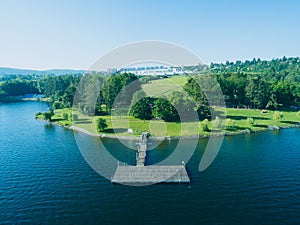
(219, 113)
(56, 120)
(115, 131)
(261, 125)
(82, 122)
(290, 122)
(245, 117)
(235, 128)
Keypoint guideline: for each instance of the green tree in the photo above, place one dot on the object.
(48, 115)
(194, 91)
(284, 95)
(137, 96)
(111, 89)
(117, 82)
(272, 103)
(233, 86)
(183, 104)
(142, 109)
(101, 124)
(257, 93)
(164, 110)
(92, 95)
(130, 85)
(18, 87)
(68, 96)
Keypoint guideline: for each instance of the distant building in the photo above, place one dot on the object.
(153, 70)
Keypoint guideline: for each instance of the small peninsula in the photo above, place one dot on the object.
(259, 95)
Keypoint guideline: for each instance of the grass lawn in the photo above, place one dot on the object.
(164, 86)
(261, 120)
(238, 118)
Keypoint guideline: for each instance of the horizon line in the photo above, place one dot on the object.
(78, 69)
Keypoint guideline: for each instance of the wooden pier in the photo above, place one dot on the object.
(151, 174)
(142, 150)
(141, 174)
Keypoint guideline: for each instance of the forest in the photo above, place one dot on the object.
(255, 84)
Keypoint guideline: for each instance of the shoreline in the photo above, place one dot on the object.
(171, 138)
(13, 99)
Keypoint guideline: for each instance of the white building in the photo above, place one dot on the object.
(152, 70)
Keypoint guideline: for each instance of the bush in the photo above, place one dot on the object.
(204, 126)
(229, 123)
(217, 123)
(278, 116)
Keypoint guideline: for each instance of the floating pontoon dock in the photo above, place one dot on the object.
(149, 174)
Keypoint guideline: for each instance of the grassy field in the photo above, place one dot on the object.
(261, 120)
(236, 121)
(165, 86)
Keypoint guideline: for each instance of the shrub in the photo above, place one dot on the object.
(278, 116)
(217, 123)
(229, 123)
(204, 125)
(250, 121)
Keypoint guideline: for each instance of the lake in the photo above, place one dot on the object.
(255, 179)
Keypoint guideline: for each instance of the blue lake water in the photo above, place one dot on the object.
(44, 179)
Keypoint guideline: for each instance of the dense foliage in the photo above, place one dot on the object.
(11, 89)
(257, 84)
(119, 89)
(60, 89)
(142, 109)
(101, 124)
(260, 83)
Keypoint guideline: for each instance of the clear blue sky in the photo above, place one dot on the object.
(74, 34)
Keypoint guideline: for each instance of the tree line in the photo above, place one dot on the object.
(256, 84)
(12, 88)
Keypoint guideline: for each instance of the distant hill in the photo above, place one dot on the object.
(14, 71)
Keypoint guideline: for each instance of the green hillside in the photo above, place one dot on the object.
(165, 86)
